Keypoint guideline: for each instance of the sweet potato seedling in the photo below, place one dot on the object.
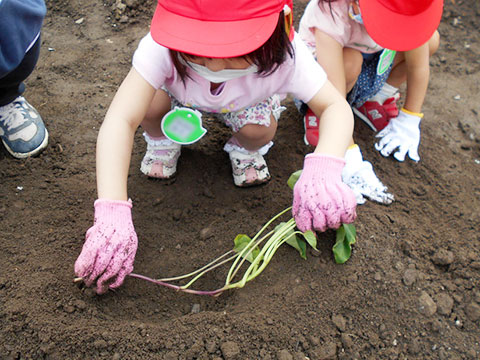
(247, 251)
(255, 256)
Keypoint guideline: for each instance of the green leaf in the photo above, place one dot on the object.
(293, 240)
(298, 244)
(346, 236)
(350, 231)
(311, 238)
(243, 241)
(292, 180)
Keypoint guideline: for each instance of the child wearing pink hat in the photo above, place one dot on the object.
(349, 38)
(236, 59)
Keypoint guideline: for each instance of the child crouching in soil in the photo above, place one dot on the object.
(353, 41)
(230, 58)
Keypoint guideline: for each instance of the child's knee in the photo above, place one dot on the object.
(434, 43)
(352, 62)
(259, 133)
(160, 105)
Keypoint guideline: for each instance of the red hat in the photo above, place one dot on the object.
(401, 25)
(215, 28)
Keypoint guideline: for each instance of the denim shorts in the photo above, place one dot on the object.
(367, 85)
(368, 82)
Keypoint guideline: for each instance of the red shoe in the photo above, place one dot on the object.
(390, 106)
(310, 124)
(373, 114)
(378, 115)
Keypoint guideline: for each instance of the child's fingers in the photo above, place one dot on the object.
(124, 271)
(101, 263)
(303, 218)
(401, 152)
(383, 142)
(393, 144)
(320, 221)
(112, 271)
(413, 154)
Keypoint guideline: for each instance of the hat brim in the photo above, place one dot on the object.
(397, 31)
(202, 38)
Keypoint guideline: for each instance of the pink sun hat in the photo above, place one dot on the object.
(215, 28)
(401, 25)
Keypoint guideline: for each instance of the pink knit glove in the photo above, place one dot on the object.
(111, 243)
(320, 199)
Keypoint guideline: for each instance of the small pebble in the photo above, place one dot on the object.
(443, 257)
(347, 341)
(284, 355)
(195, 308)
(230, 350)
(426, 305)
(444, 304)
(339, 322)
(472, 311)
(409, 277)
(206, 233)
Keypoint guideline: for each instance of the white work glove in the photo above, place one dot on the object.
(358, 174)
(401, 136)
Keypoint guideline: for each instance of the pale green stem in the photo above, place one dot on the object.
(201, 269)
(204, 272)
(254, 239)
(277, 237)
(243, 257)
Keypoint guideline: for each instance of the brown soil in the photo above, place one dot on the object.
(410, 290)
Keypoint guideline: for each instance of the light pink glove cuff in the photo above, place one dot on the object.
(329, 165)
(113, 211)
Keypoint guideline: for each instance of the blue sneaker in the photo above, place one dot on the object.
(21, 129)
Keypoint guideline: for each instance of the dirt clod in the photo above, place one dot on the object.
(472, 311)
(443, 257)
(426, 305)
(444, 304)
(230, 350)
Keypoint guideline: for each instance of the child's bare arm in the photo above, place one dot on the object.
(330, 57)
(115, 139)
(418, 72)
(320, 199)
(336, 120)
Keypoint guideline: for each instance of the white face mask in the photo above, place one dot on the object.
(222, 75)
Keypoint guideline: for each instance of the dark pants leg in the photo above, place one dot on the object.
(11, 85)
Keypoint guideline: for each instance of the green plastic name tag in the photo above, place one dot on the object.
(183, 125)
(386, 59)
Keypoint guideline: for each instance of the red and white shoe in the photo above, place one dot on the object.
(378, 115)
(390, 106)
(310, 124)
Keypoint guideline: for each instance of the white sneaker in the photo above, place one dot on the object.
(160, 160)
(358, 174)
(22, 129)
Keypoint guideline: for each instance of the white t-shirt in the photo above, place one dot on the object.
(336, 23)
(301, 76)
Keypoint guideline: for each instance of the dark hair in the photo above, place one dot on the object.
(267, 57)
(327, 1)
(320, 2)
